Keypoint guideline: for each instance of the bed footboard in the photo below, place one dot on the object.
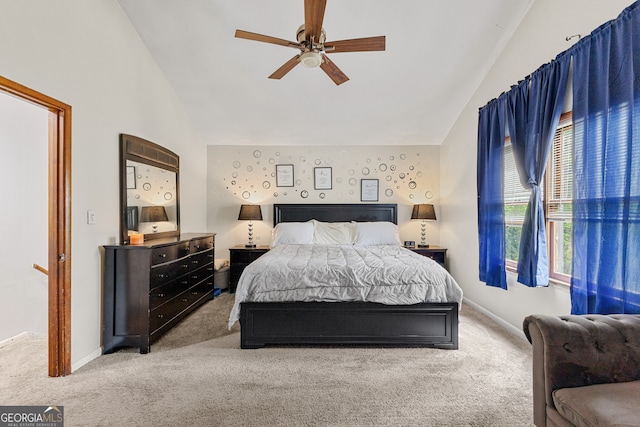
(349, 323)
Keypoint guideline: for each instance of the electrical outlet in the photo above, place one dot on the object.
(91, 217)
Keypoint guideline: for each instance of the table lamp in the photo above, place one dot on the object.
(424, 212)
(250, 213)
(153, 214)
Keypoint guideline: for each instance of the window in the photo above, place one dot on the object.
(557, 198)
(516, 198)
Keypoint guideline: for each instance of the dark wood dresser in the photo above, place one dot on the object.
(149, 288)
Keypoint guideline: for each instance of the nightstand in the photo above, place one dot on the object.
(434, 252)
(240, 257)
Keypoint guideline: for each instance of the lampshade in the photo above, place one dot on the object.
(423, 211)
(250, 212)
(153, 214)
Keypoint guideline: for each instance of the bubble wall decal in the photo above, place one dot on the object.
(242, 173)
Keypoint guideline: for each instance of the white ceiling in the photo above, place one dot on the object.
(437, 52)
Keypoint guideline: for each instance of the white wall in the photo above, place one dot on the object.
(86, 54)
(539, 38)
(23, 224)
(246, 175)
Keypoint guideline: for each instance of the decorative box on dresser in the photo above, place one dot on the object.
(434, 252)
(149, 288)
(239, 257)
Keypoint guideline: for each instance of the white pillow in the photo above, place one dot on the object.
(333, 233)
(376, 233)
(292, 233)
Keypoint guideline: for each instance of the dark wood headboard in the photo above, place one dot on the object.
(335, 212)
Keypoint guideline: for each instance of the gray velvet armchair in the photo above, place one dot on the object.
(586, 369)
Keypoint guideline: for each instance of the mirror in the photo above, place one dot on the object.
(149, 190)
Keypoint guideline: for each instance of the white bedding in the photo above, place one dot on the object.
(387, 274)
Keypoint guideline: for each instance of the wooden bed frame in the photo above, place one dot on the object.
(346, 323)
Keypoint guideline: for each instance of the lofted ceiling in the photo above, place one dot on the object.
(437, 53)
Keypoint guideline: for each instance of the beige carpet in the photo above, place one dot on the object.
(197, 376)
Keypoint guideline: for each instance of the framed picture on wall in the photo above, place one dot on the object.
(322, 178)
(284, 175)
(368, 190)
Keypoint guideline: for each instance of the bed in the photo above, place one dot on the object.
(266, 318)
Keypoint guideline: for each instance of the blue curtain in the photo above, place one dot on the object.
(606, 216)
(534, 108)
(491, 228)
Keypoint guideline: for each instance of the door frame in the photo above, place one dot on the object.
(59, 240)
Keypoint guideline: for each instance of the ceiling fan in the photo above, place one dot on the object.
(313, 45)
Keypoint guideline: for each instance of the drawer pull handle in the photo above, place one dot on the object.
(162, 275)
(185, 282)
(197, 246)
(195, 261)
(162, 255)
(160, 316)
(185, 265)
(185, 299)
(195, 276)
(160, 295)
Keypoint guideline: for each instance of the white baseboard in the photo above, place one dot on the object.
(20, 336)
(88, 358)
(502, 323)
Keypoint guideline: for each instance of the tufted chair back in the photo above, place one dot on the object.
(580, 350)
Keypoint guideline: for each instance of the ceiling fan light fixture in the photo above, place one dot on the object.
(311, 59)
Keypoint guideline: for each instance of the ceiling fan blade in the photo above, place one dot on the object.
(266, 39)
(313, 17)
(288, 66)
(366, 44)
(333, 71)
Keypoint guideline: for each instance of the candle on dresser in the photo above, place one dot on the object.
(136, 239)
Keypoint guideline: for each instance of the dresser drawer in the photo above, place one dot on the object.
(163, 294)
(436, 253)
(162, 254)
(201, 274)
(238, 267)
(200, 290)
(166, 273)
(199, 245)
(437, 257)
(166, 312)
(201, 259)
(245, 257)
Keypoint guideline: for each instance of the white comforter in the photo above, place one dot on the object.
(388, 274)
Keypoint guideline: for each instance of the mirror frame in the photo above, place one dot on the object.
(142, 151)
